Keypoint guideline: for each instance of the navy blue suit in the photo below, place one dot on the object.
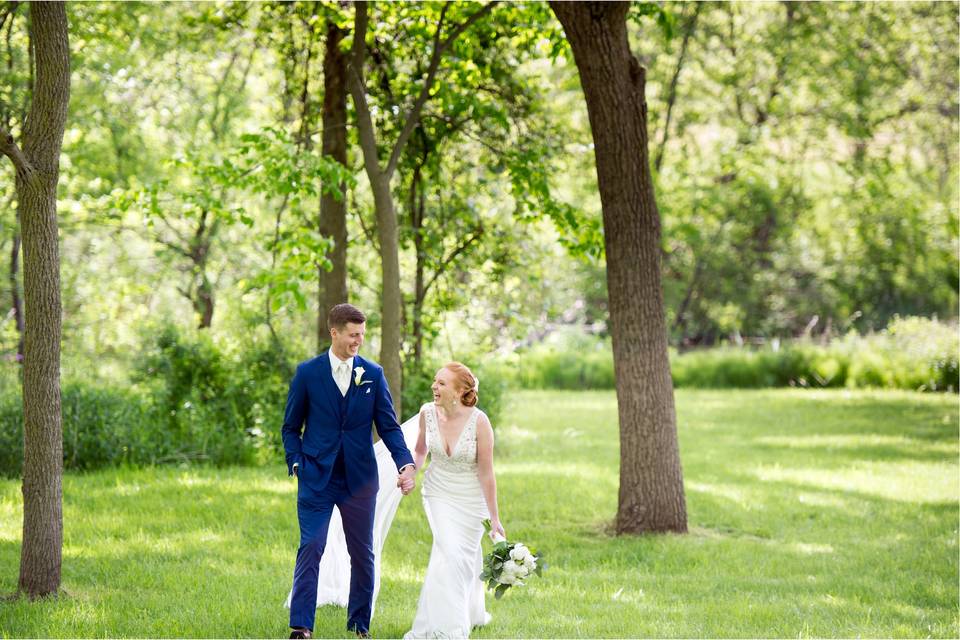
(329, 436)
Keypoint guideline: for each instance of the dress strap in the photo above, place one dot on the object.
(472, 422)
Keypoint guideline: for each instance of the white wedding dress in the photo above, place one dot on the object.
(452, 598)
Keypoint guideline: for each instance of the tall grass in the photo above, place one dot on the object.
(912, 353)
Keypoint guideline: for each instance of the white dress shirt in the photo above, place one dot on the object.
(340, 369)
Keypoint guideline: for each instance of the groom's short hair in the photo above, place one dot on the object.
(341, 314)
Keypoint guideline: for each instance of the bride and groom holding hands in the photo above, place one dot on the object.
(333, 400)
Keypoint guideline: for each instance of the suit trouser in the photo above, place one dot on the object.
(314, 509)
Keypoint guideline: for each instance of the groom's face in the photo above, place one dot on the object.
(347, 340)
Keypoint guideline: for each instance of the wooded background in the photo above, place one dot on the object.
(190, 190)
(805, 159)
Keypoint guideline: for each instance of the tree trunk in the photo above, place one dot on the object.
(333, 212)
(419, 285)
(203, 302)
(651, 482)
(680, 322)
(387, 225)
(201, 293)
(391, 301)
(16, 304)
(37, 167)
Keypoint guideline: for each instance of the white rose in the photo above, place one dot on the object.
(507, 578)
(530, 563)
(511, 568)
(519, 551)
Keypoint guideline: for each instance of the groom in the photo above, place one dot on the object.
(333, 400)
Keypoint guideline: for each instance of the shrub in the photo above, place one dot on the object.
(550, 367)
(101, 427)
(912, 353)
(203, 409)
(224, 407)
(11, 433)
(263, 371)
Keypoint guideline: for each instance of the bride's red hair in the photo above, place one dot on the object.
(465, 382)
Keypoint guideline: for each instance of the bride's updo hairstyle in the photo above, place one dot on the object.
(465, 381)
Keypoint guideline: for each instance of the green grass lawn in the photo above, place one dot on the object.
(812, 513)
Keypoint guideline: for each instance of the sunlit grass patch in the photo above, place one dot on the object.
(826, 513)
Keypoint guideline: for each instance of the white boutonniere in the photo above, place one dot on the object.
(358, 377)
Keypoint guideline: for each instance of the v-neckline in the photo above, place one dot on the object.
(443, 441)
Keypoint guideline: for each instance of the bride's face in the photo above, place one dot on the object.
(444, 391)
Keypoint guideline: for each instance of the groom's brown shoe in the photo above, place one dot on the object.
(363, 634)
(301, 633)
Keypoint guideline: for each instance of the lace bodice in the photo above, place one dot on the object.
(463, 455)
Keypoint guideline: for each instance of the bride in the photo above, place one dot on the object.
(459, 492)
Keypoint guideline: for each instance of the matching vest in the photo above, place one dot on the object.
(339, 470)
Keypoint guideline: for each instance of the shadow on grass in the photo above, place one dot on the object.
(797, 527)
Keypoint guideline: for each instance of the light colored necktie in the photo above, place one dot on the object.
(343, 375)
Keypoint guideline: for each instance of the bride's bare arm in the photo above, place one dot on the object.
(488, 481)
(420, 450)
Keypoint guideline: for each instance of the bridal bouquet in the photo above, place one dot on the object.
(509, 564)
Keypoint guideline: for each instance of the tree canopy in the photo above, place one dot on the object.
(804, 158)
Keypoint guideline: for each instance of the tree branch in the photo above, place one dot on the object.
(218, 92)
(357, 86)
(173, 246)
(231, 102)
(763, 113)
(10, 9)
(176, 233)
(9, 148)
(478, 139)
(368, 233)
(453, 256)
(690, 25)
(413, 117)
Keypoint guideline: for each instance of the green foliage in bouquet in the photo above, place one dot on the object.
(509, 564)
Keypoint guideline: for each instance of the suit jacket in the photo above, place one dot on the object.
(314, 425)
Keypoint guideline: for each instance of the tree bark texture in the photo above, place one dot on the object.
(15, 301)
(391, 302)
(333, 212)
(387, 226)
(36, 185)
(417, 206)
(651, 497)
(201, 293)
